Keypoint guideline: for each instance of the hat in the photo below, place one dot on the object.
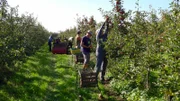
(89, 32)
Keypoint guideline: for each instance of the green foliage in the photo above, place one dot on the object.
(83, 24)
(48, 77)
(20, 36)
(143, 54)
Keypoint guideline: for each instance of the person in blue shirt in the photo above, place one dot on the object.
(50, 42)
(101, 60)
(85, 48)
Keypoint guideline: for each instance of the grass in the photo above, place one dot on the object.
(46, 77)
(49, 77)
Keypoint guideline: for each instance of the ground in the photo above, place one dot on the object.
(51, 77)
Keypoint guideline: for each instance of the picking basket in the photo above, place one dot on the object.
(75, 51)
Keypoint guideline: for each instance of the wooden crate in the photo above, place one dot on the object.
(80, 58)
(88, 78)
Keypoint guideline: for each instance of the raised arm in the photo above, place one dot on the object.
(100, 32)
(102, 27)
(106, 29)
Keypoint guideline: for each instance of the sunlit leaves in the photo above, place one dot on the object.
(20, 36)
(149, 59)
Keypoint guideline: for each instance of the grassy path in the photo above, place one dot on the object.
(45, 77)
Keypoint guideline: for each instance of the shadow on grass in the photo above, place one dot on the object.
(44, 77)
(39, 79)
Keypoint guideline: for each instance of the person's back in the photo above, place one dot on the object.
(78, 45)
(101, 38)
(50, 41)
(101, 60)
(78, 41)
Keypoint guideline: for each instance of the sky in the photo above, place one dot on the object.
(59, 15)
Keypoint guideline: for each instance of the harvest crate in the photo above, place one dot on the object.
(75, 51)
(60, 48)
(87, 78)
(80, 58)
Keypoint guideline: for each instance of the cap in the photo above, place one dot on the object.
(89, 32)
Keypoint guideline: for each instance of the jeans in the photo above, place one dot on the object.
(101, 64)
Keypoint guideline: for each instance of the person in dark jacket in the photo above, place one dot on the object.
(50, 42)
(101, 60)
